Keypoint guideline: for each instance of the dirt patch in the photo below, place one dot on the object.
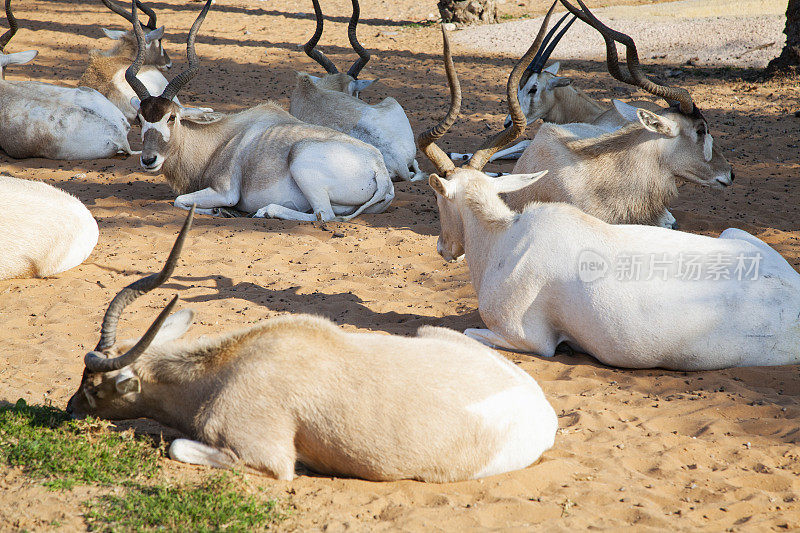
(654, 449)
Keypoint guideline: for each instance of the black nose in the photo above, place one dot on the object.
(148, 161)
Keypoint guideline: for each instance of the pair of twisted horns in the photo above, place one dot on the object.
(96, 361)
(319, 57)
(152, 22)
(635, 76)
(12, 24)
(547, 46)
(178, 81)
(427, 139)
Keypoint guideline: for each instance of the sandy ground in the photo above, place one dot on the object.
(636, 449)
(745, 33)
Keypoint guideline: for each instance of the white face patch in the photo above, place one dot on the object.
(160, 126)
(708, 147)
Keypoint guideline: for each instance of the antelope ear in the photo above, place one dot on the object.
(627, 111)
(558, 81)
(515, 182)
(553, 69)
(17, 58)
(114, 34)
(127, 382)
(136, 103)
(174, 326)
(356, 86)
(154, 35)
(657, 124)
(440, 186)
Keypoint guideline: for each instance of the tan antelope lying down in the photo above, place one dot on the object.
(332, 101)
(43, 230)
(43, 120)
(106, 69)
(259, 160)
(436, 407)
(627, 176)
(630, 295)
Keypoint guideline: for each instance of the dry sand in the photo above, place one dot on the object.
(636, 449)
(745, 33)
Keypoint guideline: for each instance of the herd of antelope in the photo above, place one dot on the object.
(590, 189)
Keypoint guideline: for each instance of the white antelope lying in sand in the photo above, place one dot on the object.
(43, 120)
(630, 295)
(260, 160)
(437, 407)
(43, 230)
(106, 69)
(332, 101)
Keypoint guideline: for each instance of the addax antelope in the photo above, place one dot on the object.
(627, 176)
(261, 160)
(332, 101)
(43, 120)
(436, 407)
(630, 295)
(106, 69)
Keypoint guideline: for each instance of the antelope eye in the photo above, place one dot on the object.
(171, 119)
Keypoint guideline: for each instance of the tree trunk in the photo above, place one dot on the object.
(469, 11)
(789, 60)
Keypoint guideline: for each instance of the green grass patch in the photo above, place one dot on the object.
(60, 452)
(220, 503)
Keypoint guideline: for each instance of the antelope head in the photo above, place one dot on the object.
(451, 238)
(110, 387)
(18, 58)
(536, 93)
(688, 147)
(155, 54)
(160, 116)
(347, 83)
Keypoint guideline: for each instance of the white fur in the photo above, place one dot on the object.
(79, 123)
(43, 230)
(529, 434)
(708, 147)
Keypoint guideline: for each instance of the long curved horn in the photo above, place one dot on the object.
(12, 24)
(317, 55)
(518, 120)
(108, 331)
(637, 77)
(184, 77)
(538, 64)
(119, 10)
(152, 18)
(130, 74)
(363, 55)
(97, 362)
(533, 67)
(426, 141)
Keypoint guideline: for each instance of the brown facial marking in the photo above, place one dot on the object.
(154, 108)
